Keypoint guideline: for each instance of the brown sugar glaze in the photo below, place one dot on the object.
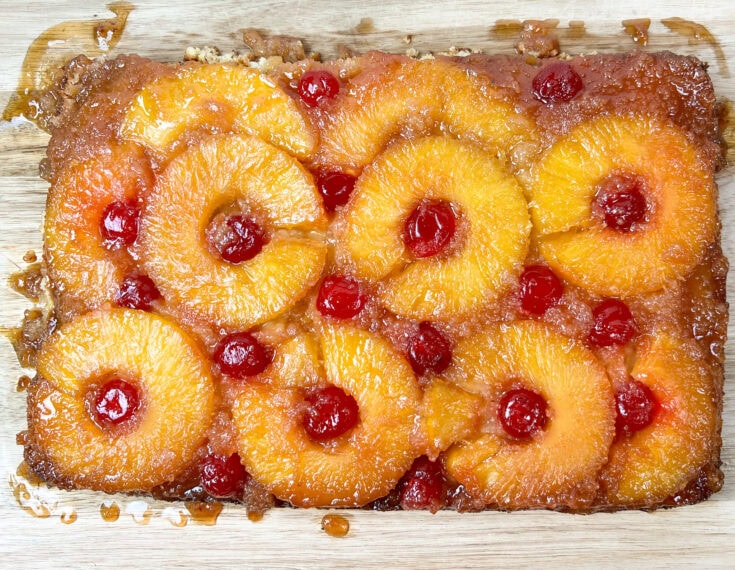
(83, 120)
(44, 57)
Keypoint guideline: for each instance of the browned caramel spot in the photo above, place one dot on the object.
(23, 383)
(255, 516)
(69, 517)
(28, 282)
(27, 338)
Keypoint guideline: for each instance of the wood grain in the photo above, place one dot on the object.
(702, 534)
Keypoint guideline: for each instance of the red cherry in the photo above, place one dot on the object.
(522, 412)
(335, 188)
(540, 289)
(330, 412)
(240, 239)
(317, 86)
(557, 83)
(621, 200)
(429, 228)
(223, 477)
(241, 355)
(429, 349)
(423, 487)
(119, 224)
(115, 402)
(614, 324)
(636, 406)
(340, 297)
(137, 292)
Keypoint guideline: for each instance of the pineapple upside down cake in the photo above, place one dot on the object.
(454, 282)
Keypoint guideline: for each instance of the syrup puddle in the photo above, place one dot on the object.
(31, 495)
(637, 29)
(335, 525)
(139, 511)
(54, 47)
(204, 513)
(697, 33)
(177, 516)
(110, 511)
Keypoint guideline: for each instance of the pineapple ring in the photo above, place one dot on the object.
(559, 465)
(168, 432)
(219, 171)
(491, 204)
(82, 273)
(358, 467)
(421, 96)
(659, 460)
(682, 200)
(217, 98)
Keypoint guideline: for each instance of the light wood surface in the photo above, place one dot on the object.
(703, 534)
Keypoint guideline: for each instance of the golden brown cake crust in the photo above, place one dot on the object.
(670, 95)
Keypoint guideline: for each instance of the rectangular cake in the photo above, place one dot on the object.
(464, 282)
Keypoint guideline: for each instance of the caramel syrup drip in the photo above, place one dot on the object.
(637, 29)
(26, 487)
(140, 512)
(335, 525)
(204, 513)
(577, 30)
(176, 516)
(697, 33)
(54, 47)
(727, 128)
(110, 511)
(506, 29)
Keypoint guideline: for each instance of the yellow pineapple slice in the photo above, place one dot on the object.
(83, 273)
(359, 466)
(557, 466)
(659, 460)
(177, 401)
(217, 98)
(194, 187)
(448, 414)
(489, 200)
(420, 97)
(297, 363)
(679, 192)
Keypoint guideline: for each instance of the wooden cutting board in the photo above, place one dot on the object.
(44, 527)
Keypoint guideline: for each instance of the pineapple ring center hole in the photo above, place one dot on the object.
(328, 413)
(115, 403)
(236, 233)
(622, 201)
(433, 228)
(523, 412)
